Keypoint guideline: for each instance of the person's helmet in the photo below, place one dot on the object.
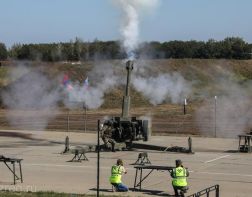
(178, 162)
(109, 123)
(119, 162)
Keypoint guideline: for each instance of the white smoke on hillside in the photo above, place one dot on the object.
(230, 113)
(31, 98)
(130, 23)
(102, 79)
(162, 87)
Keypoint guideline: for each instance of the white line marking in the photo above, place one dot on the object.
(216, 158)
(220, 173)
(191, 171)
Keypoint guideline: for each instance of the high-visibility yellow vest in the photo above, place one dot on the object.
(179, 177)
(116, 174)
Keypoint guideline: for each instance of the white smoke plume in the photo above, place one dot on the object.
(156, 89)
(130, 25)
(230, 114)
(165, 86)
(102, 79)
(32, 99)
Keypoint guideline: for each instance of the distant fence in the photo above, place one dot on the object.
(210, 118)
(206, 192)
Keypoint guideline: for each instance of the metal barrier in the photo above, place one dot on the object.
(206, 191)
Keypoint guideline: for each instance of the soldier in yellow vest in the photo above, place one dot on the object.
(116, 176)
(179, 175)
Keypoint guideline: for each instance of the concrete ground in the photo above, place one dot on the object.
(215, 162)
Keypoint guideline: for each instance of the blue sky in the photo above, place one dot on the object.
(43, 21)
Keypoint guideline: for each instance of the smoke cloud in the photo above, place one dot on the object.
(102, 79)
(130, 23)
(230, 114)
(164, 86)
(29, 93)
(156, 89)
(33, 97)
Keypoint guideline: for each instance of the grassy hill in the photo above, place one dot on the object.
(204, 73)
(225, 78)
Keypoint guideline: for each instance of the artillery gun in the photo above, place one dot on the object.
(125, 129)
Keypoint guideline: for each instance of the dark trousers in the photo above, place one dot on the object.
(181, 188)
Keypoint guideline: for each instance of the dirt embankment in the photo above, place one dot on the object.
(205, 76)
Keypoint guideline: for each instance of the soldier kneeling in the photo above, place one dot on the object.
(179, 181)
(116, 176)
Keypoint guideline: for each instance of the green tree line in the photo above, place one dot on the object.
(229, 48)
(3, 52)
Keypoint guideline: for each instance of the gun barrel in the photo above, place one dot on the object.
(126, 98)
(129, 68)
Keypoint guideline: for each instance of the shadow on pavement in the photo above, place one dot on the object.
(152, 192)
(27, 136)
(144, 191)
(102, 190)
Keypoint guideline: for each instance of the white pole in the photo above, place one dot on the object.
(185, 103)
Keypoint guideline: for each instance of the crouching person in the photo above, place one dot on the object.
(116, 176)
(179, 181)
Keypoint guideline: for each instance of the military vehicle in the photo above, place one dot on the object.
(125, 129)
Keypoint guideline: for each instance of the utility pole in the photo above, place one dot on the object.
(98, 159)
(215, 105)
